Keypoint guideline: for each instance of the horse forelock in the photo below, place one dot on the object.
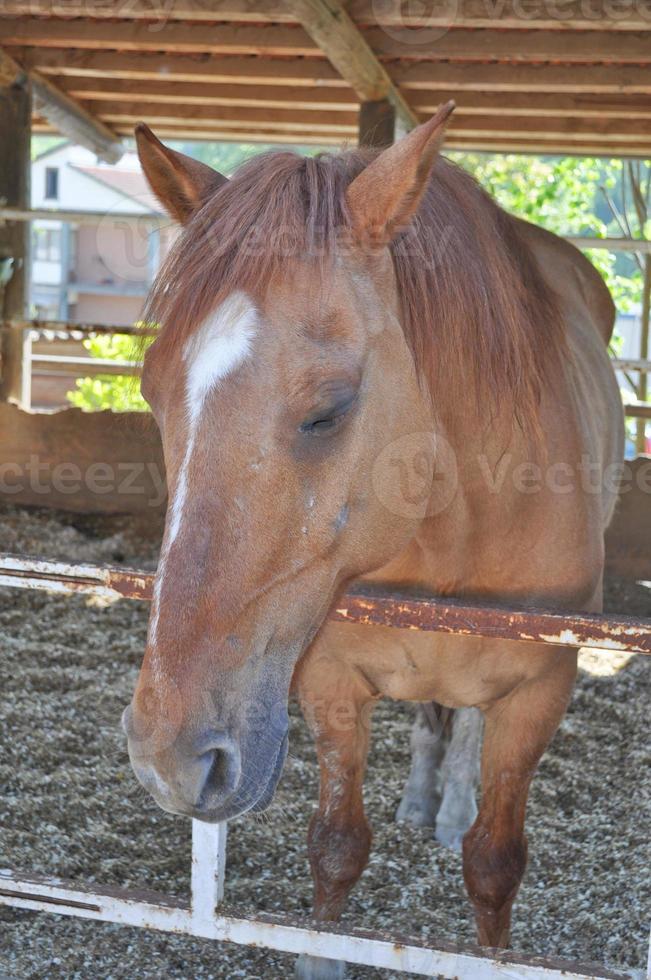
(480, 320)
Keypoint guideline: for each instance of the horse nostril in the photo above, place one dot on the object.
(222, 770)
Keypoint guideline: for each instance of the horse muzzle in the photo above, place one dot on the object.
(211, 777)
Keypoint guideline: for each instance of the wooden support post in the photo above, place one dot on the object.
(642, 391)
(335, 33)
(377, 123)
(15, 162)
(64, 113)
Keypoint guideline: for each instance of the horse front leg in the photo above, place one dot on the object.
(518, 729)
(337, 706)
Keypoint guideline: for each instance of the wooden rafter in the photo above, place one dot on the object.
(591, 80)
(328, 30)
(549, 79)
(66, 115)
(433, 14)
(254, 119)
(298, 72)
(333, 31)
(503, 143)
(345, 124)
(330, 98)
(315, 99)
(215, 132)
(588, 79)
(274, 40)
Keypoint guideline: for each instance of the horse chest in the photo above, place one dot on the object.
(407, 665)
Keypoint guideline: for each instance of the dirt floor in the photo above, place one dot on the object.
(71, 807)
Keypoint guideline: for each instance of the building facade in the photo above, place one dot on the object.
(93, 271)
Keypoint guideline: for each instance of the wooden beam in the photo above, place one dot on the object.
(15, 141)
(536, 104)
(564, 146)
(513, 46)
(273, 40)
(214, 133)
(66, 115)
(570, 15)
(500, 143)
(484, 145)
(155, 11)
(377, 123)
(299, 72)
(279, 120)
(578, 127)
(322, 98)
(229, 115)
(630, 47)
(437, 15)
(331, 28)
(545, 128)
(330, 98)
(638, 410)
(591, 80)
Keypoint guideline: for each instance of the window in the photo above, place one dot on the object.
(47, 244)
(52, 183)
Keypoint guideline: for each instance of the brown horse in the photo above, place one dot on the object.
(365, 369)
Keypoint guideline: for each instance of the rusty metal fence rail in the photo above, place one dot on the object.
(368, 608)
(203, 916)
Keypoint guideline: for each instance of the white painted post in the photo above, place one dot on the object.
(208, 868)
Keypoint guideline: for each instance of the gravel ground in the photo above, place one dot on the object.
(71, 807)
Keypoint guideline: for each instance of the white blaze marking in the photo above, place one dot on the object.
(219, 346)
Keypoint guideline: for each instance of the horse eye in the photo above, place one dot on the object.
(327, 422)
(322, 425)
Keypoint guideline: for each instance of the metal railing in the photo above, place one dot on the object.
(369, 608)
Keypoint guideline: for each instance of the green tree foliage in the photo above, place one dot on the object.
(227, 157)
(566, 195)
(42, 144)
(120, 393)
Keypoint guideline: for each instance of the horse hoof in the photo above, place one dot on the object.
(414, 812)
(318, 968)
(450, 837)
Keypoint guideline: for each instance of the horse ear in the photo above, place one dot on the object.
(180, 183)
(383, 199)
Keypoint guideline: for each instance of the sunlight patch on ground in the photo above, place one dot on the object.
(606, 663)
(603, 663)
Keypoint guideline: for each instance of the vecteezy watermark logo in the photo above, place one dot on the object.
(156, 723)
(416, 22)
(122, 247)
(156, 13)
(42, 477)
(416, 475)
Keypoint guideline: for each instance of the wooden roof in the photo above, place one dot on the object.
(561, 76)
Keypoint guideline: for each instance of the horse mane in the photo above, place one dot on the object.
(476, 311)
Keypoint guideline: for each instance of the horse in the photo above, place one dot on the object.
(365, 371)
